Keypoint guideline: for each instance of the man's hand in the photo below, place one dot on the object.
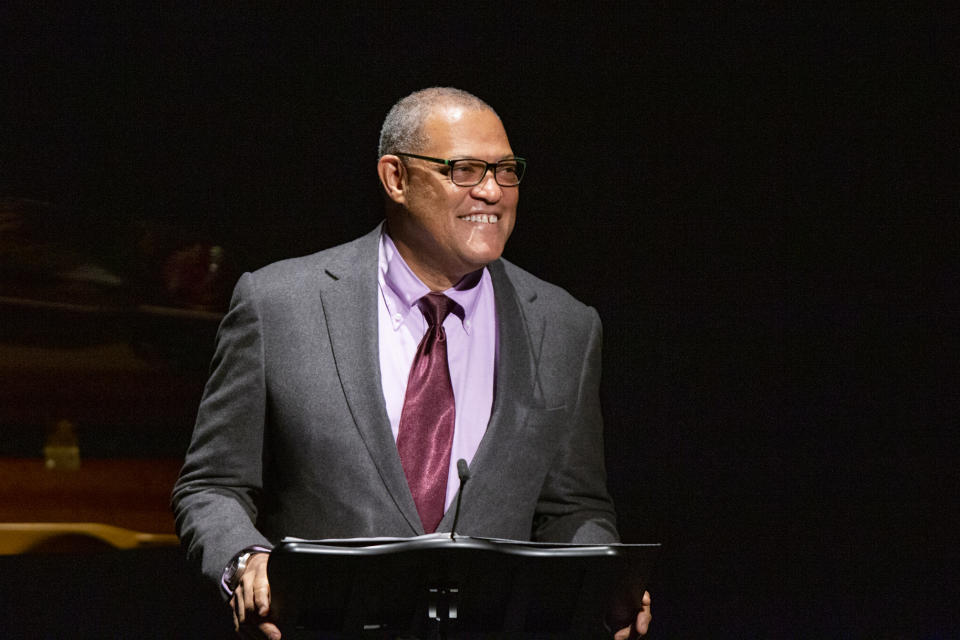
(250, 602)
(642, 624)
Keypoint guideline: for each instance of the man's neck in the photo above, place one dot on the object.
(436, 279)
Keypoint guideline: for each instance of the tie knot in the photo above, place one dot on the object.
(436, 307)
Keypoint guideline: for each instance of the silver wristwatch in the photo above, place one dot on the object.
(235, 569)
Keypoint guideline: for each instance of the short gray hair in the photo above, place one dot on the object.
(403, 127)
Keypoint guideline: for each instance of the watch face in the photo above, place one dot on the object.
(235, 570)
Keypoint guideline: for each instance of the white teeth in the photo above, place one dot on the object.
(481, 217)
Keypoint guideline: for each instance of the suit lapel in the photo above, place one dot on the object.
(348, 293)
(519, 331)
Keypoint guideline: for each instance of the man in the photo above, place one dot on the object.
(311, 422)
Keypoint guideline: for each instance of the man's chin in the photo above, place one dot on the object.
(479, 260)
(483, 251)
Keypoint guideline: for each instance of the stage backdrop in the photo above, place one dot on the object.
(730, 186)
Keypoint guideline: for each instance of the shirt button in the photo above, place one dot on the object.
(397, 317)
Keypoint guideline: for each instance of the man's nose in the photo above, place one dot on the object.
(488, 189)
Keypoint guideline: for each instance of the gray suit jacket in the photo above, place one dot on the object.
(292, 436)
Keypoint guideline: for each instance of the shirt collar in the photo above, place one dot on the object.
(401, 288)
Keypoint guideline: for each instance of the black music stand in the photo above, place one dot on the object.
(437, 587)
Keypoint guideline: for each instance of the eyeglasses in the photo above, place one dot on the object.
(469, 172)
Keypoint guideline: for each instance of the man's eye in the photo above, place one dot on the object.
(462, 170)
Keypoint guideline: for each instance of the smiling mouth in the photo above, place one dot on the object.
(487, 218)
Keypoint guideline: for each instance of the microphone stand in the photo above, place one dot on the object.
(464, 473)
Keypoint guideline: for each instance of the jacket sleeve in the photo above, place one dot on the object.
(574, 505)
(216, 496)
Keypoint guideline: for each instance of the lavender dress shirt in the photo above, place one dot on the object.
(471, 349)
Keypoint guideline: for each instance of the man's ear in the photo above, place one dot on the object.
(392, 176)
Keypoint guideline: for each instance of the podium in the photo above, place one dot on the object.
(435, 586)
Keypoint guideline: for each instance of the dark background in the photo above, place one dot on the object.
(742, 191)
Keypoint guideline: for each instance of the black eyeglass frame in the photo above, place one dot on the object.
(521, 162)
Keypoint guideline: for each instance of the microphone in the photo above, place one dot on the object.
(464, 472)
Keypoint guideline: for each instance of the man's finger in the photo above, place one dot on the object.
(239, 610)
(261, 599)
(261, 587)
(645, 615)
(233, 611)
(248, 588)
(643, 622)
(270, 630)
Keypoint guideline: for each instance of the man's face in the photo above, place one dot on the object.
(448, 231)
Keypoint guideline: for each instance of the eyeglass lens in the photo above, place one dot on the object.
(468, 173)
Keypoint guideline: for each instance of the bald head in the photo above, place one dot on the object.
(403, 128)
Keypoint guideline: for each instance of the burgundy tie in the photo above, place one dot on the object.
(426, 423)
